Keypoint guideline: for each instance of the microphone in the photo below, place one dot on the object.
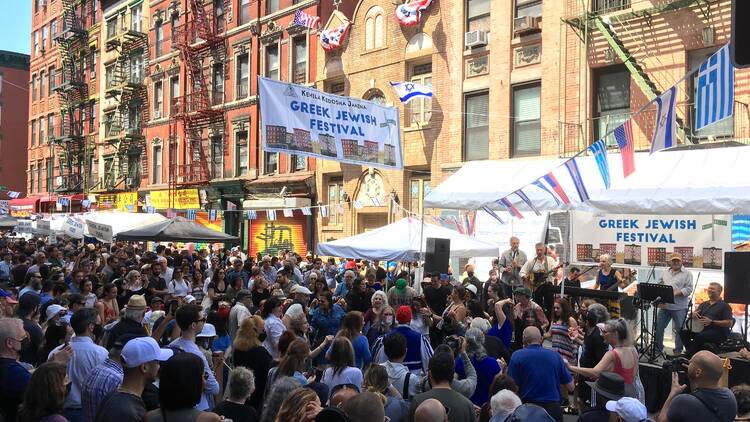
(658, 299)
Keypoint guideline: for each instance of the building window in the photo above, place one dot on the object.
(174, 92)
(33, 88)
(272, 6)
(32, 173)
(94, 11)
(241, 158)
(39, 178)
(109, 76)
(299, 163)
(33, 133)
(156, 161)
(272, 61)
(299, 65)
(36, 42)
(51, 126)
(92, 63)
(136, 18)
(112, 28)
(476, 126)
(420, 109)
(45, 34)
(244, 15)
(606, 6)
(158, 99)
(532, 8)
(92, 119)
(1, 84)
(612, 102)
(52, 80)
(41, 130)
(243, 75)
(219, 15)
(217, 84)
(42, 84)
(527, 127)
(374, 28)
(270, 162)
(50, 174)
(375, 95)
(53, 30)
(136, 67)
(336, 88)
(335, 197)
(418, 189)
(477, 15)
(217, 157)
(158, 39)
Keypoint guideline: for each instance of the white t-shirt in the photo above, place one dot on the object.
(349, 375)
(179, 288)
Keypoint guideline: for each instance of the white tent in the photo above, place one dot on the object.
(399, 241)
(123, 221)
(703, 181)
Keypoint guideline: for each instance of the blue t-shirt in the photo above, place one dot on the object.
(504, 333)
(362, 355)
(486, 369)
(538, 372)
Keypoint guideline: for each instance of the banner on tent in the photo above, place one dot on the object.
(647, 240)
(304, 121)
(184, 199)
(271, 236)
(101, 232)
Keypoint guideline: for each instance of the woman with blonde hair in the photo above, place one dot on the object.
(376, 381)
(382, 325)
(378, 301)
(301, 406)
(248, 352)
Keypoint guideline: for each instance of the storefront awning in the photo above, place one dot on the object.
(23, 207)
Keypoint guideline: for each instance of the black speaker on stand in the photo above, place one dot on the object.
(437, 255)
(737, 281)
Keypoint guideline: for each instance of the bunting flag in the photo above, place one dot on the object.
(511, 208)
(459, 226)
(324, 211)
(306, 211)
(555, 185)
(624, 137)
(409, 14)
(340, 208)
(470, 219)
(13, 194)
(408, 91)
(538, 183)
(493, 214)
(150, 210)
(715, 91)
(251, 215)
(358, 205)
(527, 201)
(334, 38)
(599, 149)
(190, 214)
(288, 213)
(271, 215)
(664, 134)
(375, 202)
(305, 19)
(575, 174)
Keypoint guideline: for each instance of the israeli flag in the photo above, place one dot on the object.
(407, 91)
(715, 89)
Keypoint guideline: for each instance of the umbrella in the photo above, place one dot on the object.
(7, 222)
(177, 229)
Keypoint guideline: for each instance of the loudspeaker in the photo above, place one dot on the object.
(737, 277)
(437, 255)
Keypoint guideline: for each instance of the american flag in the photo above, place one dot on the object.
(715, 92)
(305, 19)
(538, 183)
(555, 185)
(624, 138)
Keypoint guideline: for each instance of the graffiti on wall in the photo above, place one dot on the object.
(268, 237)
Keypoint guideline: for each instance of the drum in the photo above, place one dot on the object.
(695, 325)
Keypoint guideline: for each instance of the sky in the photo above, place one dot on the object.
(15, 25)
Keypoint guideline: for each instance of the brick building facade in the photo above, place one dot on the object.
(14, 109)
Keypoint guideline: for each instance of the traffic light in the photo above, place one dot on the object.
(740, 33)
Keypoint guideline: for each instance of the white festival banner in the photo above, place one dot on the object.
(304, 121)
(649, 240)
(101, 232)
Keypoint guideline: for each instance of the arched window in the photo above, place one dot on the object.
(375, 95)
(374, 28)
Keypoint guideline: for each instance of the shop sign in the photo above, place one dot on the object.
(184, 199)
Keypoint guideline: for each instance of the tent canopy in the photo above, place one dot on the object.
(123, 221)
(703, 181)
(177, 229)
(8, 222)
(399, 241)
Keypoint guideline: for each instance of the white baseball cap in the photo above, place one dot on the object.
(628, 408)
(142, 350)
(472, 288)
(295, 310)
(189, 298)
(54, 309)
(208, 331)
(297, 289)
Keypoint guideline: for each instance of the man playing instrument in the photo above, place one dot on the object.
(510, 263)
(715, 316)
(537, 274)
(681, 281)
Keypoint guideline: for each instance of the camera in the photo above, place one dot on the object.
(678, 365)
(455, 343)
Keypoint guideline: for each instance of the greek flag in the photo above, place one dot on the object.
(715, 89)
(407, 91)
(599, 149)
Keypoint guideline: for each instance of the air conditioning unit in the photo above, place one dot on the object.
(525, 25)
(476, 38)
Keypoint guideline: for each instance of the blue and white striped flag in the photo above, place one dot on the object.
(190, 214)
(288, 212)
(251, 215)
(407, 91)
(306, 211)
(575, 174)
(492, 213)
(527, 201)
(599, 149)
(324, 211)
(213, 215)
(664, 134)
(715, 89)
(358, 205)
(271, 215)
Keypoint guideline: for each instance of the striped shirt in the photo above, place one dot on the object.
(103, 380)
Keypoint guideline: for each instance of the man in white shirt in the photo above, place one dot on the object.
(86, 356)
(538, 271)
(240, 311)
(682, 286)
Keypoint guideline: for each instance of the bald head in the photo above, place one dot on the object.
(707, 367)
(430, 410)
(342, 396)
(532, 335)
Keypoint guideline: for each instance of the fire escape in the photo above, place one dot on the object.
(123, 125)
(602, 16)
(72, 90)
(199, 112)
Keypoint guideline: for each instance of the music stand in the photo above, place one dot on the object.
(656, 294)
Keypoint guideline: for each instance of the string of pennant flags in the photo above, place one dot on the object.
(714, 102)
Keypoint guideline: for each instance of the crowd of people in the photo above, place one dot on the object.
(97, 333)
